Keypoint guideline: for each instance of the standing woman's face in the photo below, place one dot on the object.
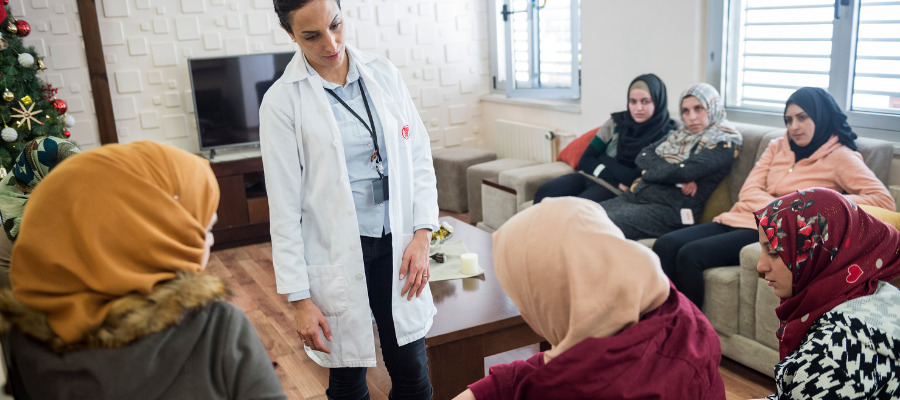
(319, 30)
(694, 114)
(800, 126)
(640, 105)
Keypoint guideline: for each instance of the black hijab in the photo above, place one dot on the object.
(635, 136)
(828, 117)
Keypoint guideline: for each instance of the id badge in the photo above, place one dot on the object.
(380, 190)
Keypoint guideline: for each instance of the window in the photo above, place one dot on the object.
(535, 50)
(772, 47)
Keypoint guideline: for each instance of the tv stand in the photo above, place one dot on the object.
(212, 154)
(243, 206)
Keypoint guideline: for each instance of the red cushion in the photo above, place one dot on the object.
(572, 153)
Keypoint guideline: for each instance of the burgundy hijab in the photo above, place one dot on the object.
(835, 251)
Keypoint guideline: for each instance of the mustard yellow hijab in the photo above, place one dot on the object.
(572, 273)
(113, 221)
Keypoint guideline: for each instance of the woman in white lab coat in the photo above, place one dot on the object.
(348, 242)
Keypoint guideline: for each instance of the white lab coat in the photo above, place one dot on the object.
(315, 235)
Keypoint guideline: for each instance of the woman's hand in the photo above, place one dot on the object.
(623, 188)
(689, 189)
(414, 267)
(308, 319)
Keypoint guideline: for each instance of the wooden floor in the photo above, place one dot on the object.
(248, 271)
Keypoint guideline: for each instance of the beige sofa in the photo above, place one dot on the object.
(738, 302)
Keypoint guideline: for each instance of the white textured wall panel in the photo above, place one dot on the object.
(115, 8)
(128, 81)
(164, 54)
(438, 45)
(175, 126)
(149, 119)
(137, 46)
(192, 6)
(186, 28)
(65, 56)
(124, 108)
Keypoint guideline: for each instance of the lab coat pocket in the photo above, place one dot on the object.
(328, 288)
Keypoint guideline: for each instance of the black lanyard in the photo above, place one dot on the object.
(376, 156)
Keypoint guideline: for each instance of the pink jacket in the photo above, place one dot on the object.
(832, 166)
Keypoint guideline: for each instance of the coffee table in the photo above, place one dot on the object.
(475, 319)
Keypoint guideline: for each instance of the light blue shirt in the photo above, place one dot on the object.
(373, 219)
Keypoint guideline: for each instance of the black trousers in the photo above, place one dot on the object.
(407, 365)
(576, 185)
(687, 252)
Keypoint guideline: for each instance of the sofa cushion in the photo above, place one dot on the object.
(766, 320)
(718, 202)
(573, 151)
(749, 258)
(490, 171)
(721, 305)
(878, 155)
(755, 137)
(526, 180)
(498, 205)
(450, 166)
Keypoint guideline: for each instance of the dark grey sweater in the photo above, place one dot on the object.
(214, 353)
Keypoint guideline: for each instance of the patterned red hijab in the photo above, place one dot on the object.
(835, 250)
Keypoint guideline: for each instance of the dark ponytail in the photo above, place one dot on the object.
(284, 8)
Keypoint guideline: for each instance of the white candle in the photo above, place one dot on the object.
(469, 263)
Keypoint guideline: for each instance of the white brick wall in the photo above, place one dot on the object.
(440, 46)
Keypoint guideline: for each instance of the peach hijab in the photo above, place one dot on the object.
(109, 222)
(572, 273)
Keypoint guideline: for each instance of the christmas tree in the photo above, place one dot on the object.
(29, 107)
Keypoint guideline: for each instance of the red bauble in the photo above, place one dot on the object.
(61, 106)
(23, 29)
(66, 133)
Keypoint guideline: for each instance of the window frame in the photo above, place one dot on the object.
(499, 84)
(720, 39)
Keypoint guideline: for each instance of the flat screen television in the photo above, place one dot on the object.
(227, 94)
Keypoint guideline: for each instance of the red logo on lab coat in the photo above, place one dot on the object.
(405, 132)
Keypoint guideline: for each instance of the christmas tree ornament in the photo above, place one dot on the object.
(67, 134)
(9, 134)
(26, 115)
(2, 172)
(60, 106)
(3, 44)
(26, 60)
(11, 28)
(27, 100)
(22, 28)
(8, 96)
(70, 121)
(41, 66)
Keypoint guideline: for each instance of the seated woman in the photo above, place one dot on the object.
(680, 171)
(609, 159)
(617, 327)
(828, 261)
(109, 299)
(40, 156)
(818, 149)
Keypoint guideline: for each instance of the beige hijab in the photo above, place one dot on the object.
(573, 274)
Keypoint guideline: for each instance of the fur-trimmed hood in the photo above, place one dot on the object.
(130, 318)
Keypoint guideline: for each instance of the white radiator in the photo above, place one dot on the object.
(528, 142)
